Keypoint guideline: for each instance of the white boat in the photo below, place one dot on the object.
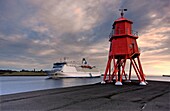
(70, 69)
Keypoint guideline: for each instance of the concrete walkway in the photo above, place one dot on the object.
(97, 97)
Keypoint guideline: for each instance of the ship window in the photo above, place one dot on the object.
(57, 66)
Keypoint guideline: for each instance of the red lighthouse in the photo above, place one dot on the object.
(123, 47)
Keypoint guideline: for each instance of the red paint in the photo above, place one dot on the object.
(123, 47)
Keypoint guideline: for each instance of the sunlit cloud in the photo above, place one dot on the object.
(151, 52)
(154, 37)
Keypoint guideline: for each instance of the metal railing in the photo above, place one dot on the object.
(120, 31)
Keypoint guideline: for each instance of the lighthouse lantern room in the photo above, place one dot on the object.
(123, 47)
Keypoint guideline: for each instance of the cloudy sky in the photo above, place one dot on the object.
(37, 33)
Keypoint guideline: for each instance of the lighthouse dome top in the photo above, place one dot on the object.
(122, 19)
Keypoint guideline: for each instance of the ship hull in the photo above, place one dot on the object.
(76, 75)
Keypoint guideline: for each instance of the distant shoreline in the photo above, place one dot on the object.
(20, 75)
(166, 75)
(23, 74)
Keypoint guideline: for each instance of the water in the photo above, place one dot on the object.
(17, 84)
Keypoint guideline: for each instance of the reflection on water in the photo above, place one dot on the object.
(17, 84)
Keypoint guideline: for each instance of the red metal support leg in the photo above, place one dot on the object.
(130, 70)
(135, 69)
(139, 71)
(107, 68)
(125, 75)
(110, 70)
(114, 66)
(140, 66)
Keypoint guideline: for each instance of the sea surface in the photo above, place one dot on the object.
(18, 84)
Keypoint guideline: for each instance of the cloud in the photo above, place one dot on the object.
(154, 37)
(65, 16)
(42, 52)
(147, 53)
(41, 32)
